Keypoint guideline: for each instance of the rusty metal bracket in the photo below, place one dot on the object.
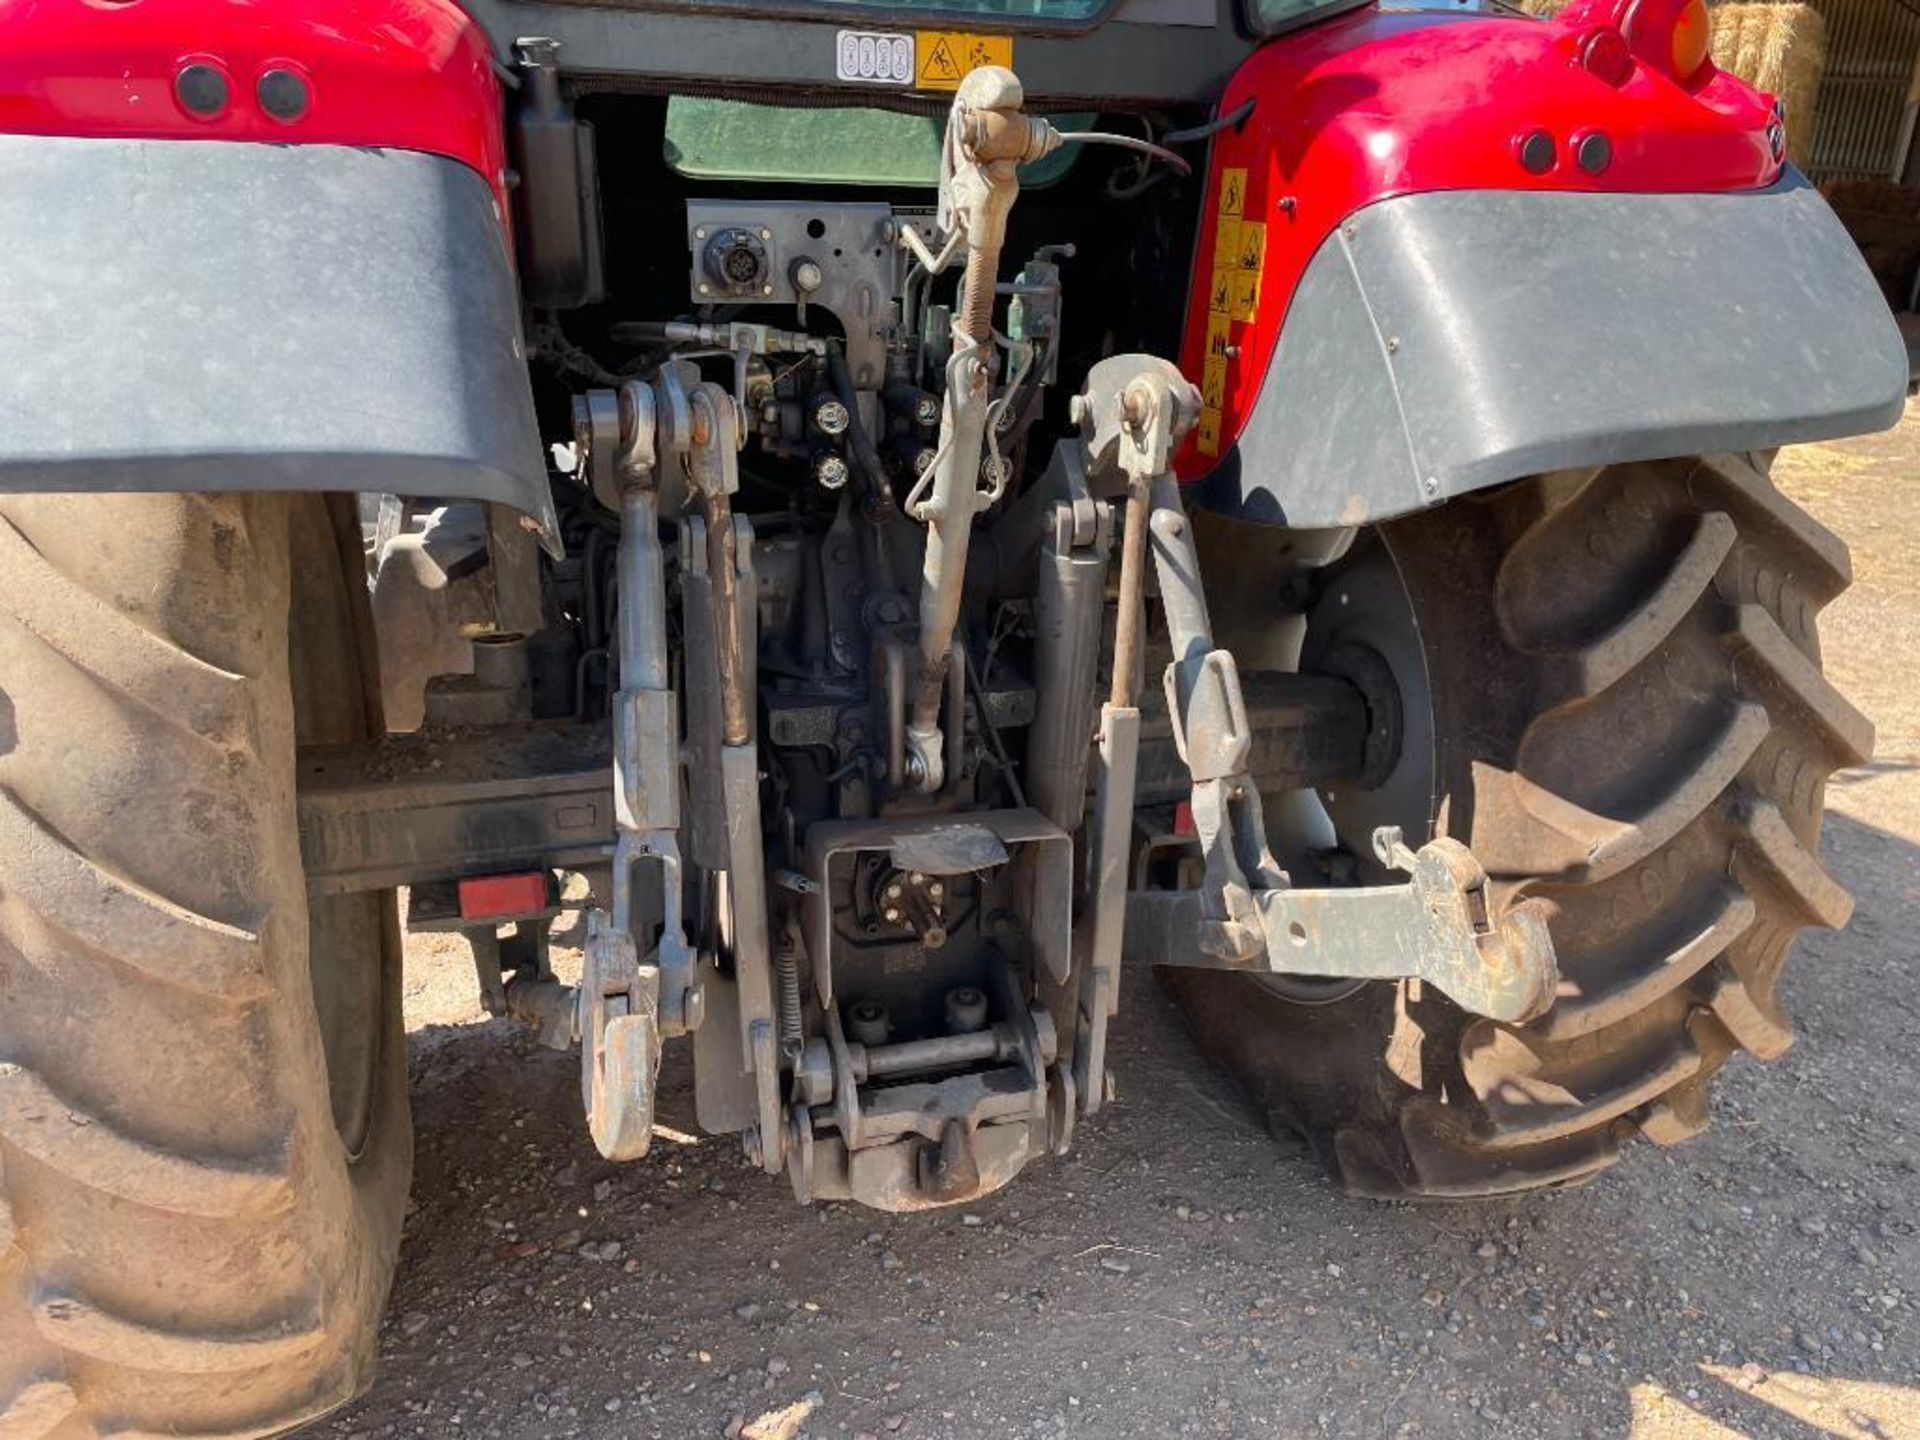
(1437, 928)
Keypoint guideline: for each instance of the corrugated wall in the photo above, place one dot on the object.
(1864, 117)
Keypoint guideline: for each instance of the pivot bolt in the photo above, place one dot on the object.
(831, 416)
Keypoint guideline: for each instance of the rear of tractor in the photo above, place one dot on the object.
(774, 519)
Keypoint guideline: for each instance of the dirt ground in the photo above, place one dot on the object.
(1184, 1274)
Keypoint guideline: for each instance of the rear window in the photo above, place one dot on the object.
(709, 139)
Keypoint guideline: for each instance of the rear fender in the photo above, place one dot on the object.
(1446, 342)
(1447, 250)
(306, 285)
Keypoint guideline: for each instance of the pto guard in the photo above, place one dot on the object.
(184, 315)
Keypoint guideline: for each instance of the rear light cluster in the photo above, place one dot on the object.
(1670, 36)
(204, 90)
(1612, 40)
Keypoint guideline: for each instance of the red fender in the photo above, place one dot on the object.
(398, 74)
(1373, 105)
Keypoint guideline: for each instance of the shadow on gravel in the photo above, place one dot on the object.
(1181, 1273)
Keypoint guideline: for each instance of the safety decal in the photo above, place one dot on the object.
(1207, 432)
(1217, 346)
(1213, 382)
(946, 56)
(1233, 294)
(873, 57)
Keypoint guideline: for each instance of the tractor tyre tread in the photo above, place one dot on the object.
(1636, 732)
(186, 1247)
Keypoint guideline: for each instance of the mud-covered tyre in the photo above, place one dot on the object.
(1622, 711)
(204, 1136)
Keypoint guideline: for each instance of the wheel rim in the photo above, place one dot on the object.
(347, 945)
(1364, 601)
(352, 942)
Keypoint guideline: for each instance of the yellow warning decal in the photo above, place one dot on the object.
(1220, 293)
(1217, 345)
(1226, 243)
(1233, 294)
(1233, 192)
(1213, 383)
(1207, 433)
(1246, 294)
(945, 56)
(1253, 246)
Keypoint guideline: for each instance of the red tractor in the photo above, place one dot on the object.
(786, 545)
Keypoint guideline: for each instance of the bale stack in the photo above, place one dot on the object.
(1781, 49)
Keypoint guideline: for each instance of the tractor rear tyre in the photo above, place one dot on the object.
(204, 1136)
(1612, 692)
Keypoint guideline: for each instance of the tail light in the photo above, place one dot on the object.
(1673, 36)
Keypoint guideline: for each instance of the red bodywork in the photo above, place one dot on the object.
(400, 74)
(1375, 105)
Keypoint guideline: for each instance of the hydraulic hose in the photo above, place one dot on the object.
(1126, 142)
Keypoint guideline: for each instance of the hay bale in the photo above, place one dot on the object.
(1778, 48)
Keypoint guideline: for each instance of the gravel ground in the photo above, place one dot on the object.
(1184, 1274)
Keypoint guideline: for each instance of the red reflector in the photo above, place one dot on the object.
(1605, 53)
(1183, 818)
(498, 897)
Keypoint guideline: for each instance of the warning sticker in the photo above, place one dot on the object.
(1233, 295)
(873, 57)
(1213, 382)
(1226, 243)
(1206, 434)
(1220, 293)
(1217, 343)
(946, 56)
(1253, 246)
(1233, 192)
(1246, 294)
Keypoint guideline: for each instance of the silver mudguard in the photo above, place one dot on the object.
(1446, 342)
(189, 315)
